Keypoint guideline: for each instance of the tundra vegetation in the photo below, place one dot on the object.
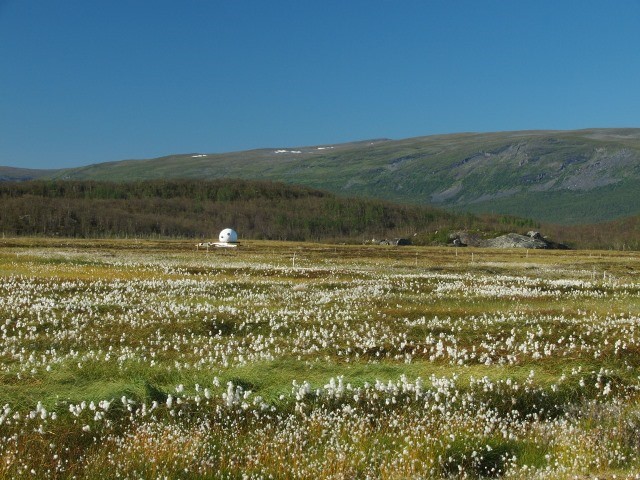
(149, 359)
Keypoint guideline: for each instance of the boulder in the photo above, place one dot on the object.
(514, 240)
(466, 239)
(395, 241)
(533, 240)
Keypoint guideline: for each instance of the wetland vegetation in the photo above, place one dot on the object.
(149, 359)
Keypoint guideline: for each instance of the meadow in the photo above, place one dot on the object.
(151, 359)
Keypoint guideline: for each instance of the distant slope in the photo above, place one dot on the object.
(570, 177)
(620, 234)
(12, 174)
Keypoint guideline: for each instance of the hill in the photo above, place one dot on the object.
(569, 177)
(11, 174)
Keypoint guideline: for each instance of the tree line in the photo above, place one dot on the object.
(199, 209)
(257, 210)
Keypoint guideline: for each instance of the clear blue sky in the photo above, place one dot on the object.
(91, 81)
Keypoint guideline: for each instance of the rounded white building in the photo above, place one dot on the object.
(228, 235)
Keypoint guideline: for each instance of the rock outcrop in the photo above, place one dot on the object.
(533, 240)
(513, 240)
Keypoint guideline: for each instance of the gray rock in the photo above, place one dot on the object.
(395, 241)
(533, 240)
(466, 239)
(514, 240)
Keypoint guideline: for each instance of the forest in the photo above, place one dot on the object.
(260, 210)
(199, 209)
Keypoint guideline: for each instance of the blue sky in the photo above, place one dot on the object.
(84, 82)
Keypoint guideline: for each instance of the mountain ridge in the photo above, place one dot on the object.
(564, 176)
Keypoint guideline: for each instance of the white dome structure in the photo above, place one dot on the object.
(228, 235)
